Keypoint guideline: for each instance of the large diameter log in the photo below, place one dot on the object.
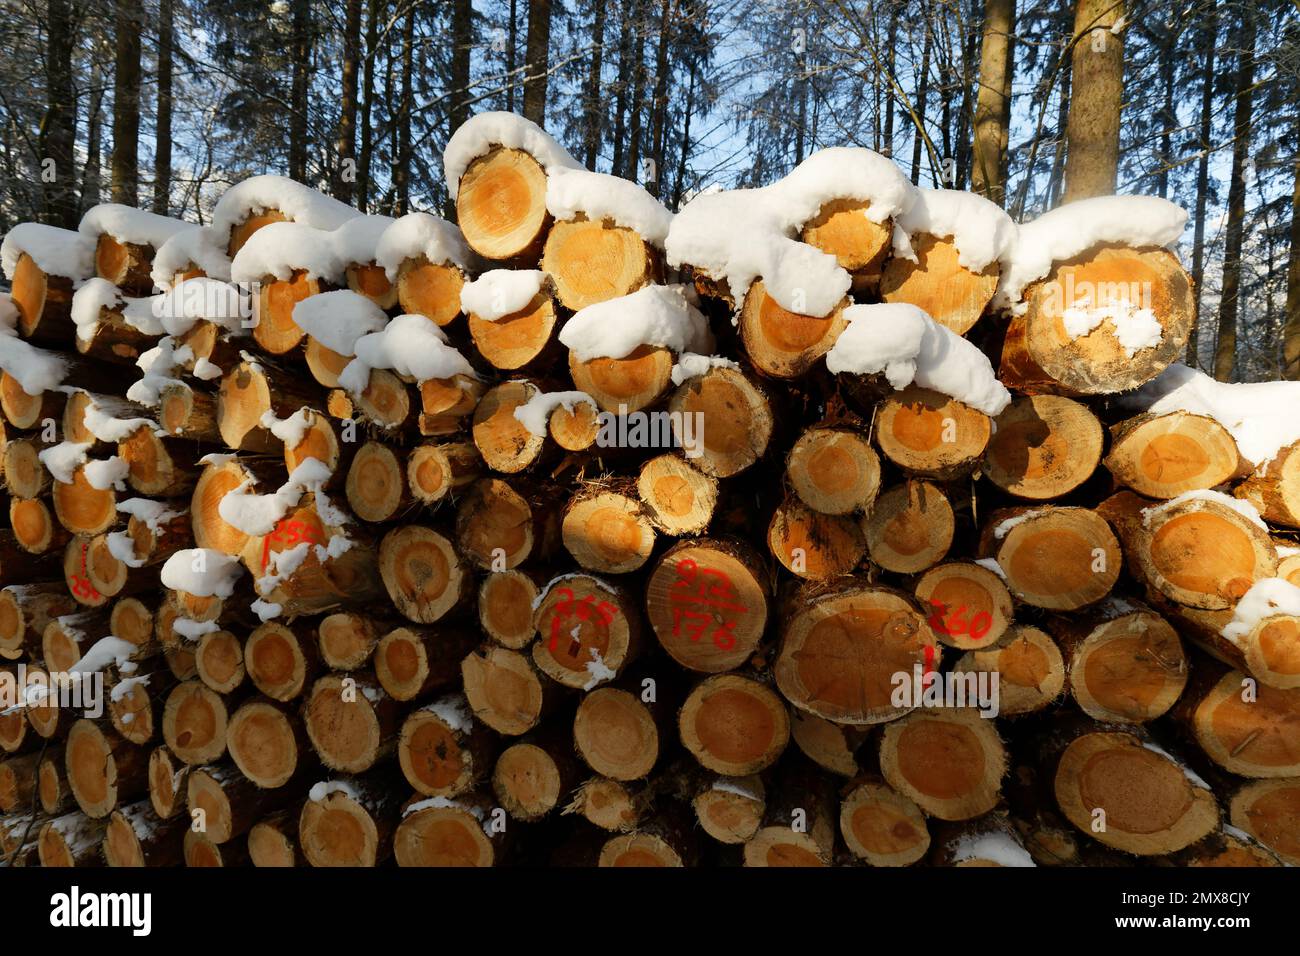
(910, 527)
(267, 743)
(734, 725)
(430, 289)
(588, 631)
(519, 340)
(732, 421)
(250, 390)
(103, 769)
(842, 648)
(625, 384)
(834, 470)
(1146, 287)
(707, 601)
(442, 750)
(882, 826)
(593, 261)
(970, 606)
(1274, 489)
(1244, 726)
(1055, 558)
(842, 229)
(44, 303)
(937, 282)
(785, 344)
(351, 826)
(423, 574)
(931, 435)
(1029, 665)
(605, 530)
(1163, 456)
(83, 508)
(949, 761)
(351, 722)
(501, 206)
(1268, 811)
(1043, 447)
(505, 690)
(450, 833)
(678, 497)
(615, 734)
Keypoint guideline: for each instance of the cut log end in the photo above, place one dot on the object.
(505, 607)
(501, 205)
(781, 343)
(615, 734)
(422, 573)
(910, 528)
(1060, 558)
(1029, 667)
(627, 384)
(950, 762)
(731, 421)
(937, 282)
(679, 498)
(733, 725)
(882, 826)
(930, 435)
(263, 744)
(593, 261)
(504, 690)
(606, 531)
(834, 471)
(970, 606)
(1043, 447)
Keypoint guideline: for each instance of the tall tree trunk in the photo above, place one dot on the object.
(536, 60)
(922, 94)
(299, 85)
(1291, 330)
(638, 91)
(688, 110)
(1092, 131)
(345, 147)
(660, 106)
(402, 171)
(373, 12)
(964, 117)
(993, 106)
(1203, 179)
(1057, 177)
(593, 106)
(512, 41)
(92, 173)
(890, 63)
(1168, 116)
(620, 100)
(1225, 348)
(126, 102)
(462, 39)
(162, 154)
(60, 118)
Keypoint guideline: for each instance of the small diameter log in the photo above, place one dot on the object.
(186, 413)
(274, 328)
(18, 782)
(625, 384)
(321, 441)
(606, 531)
(498, 527)
(594, 261)
(71, 840)
(199, 851)
(520, 340)
(281, 660)
(423, 574)
(707, 601)
(136, 837)
(730, 809)
(1163, 456)
(1201, 552)
(910, 527)
(1029, 665)
(34, 527)
(433, 471)
(25, 611)
(785, 344)
(25, 476)
(734, 725)
(842, 228)
(1041, 354)
(937, 282)
(534, 776)
(502, 440)
(609, 804)
(376, 486)
(1268, 810)
(268, 743)
(505, 690)
(243, 230)
(273, 841)
(81, 507)
(386, 402)
(615, 734)
(881, 825)
(834, 470)
(1126, 664)
(501, 206)
(103, 769)
(1274, 489)
(229, 801)
(730, 420)
(929, 435)
(131, 621)
(159, 466)
(832, 747)
(1056, 558)
(410, 662)
(678, 498)
(16, 734)
(843, 646)
(219, 661)
(1244, 726)
(370, 280)
(1043, 447)
(347, 639)
(22, 411)
(108, 576)
(446, 402)
(194, 723)
(351, 722)
(950, 761)
(505, 607)
(44, 303)
(247, 392)
(799, 821)
(442, 750)
(1130, 796)
(324, 364)
(667, 839)
(52, 783)
(351, 826)
(970, 606)
(1268, 651)
(588, 631)
(132, 707)
(447, 833)
(67, 638)
(430, 289)
(167, 777)
(812, 545)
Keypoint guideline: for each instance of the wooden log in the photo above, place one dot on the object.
(594, 261)
(351, 826)
(442, 750)
(281, 660)
(370, 280)
(505, 690)
(425, 577)
(937, 282)
(268, 743)
(83, 508)
(732, 416)
(25, 476)
(132, 621)
(707, 602)
(430, 289)
(521, 340)
(18, 782)
(435, 470)
(34, 527)
(351, 721)
(730, 809)
(784, 344)
(273, 841)
(1043, 447)
(734, 725)
(160, 467)
(1056, 558)
(930, 435)
(187, 413)
(502, 440)
(67, 638)
(347, 639)
(605, 531)
(1163, 456)
(842, 229)
(229, 801)
(611, 804)
(1267, 810)
(433, 834)
(501, 206)
(274, 328)
(666, 840)
(52, 782)
(616, 734)
(412, 662)
(1029, 665)
(970, 606)
(1229, 847)
(377, 488)
(136, 837)
(247, 392)
(626, 384)
(500, 525)
(532, 777)
(71, 840)
(198, 851)
(194, 723)
(132, 706)
(218, 479)
(44, 303)
(910, 527)
(446, 403)
(881, 825)
(167, 777)
(25, 611)
(1040, 354)
(989, 841)
(387, 403)
(678, 497)
(812, 545)
(831, 746)
(1274, 489)
(505, 607)
(834, 470)
(798, 822)
(1240, 724)
(950, 762)
(104, 770)
(219, 661)
(588, 631)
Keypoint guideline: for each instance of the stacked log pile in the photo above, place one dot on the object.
(830, 523)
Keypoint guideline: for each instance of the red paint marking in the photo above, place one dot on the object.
(81, 586)
(598, 615)
(697, 589)
(287, 533)
(956, 624)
